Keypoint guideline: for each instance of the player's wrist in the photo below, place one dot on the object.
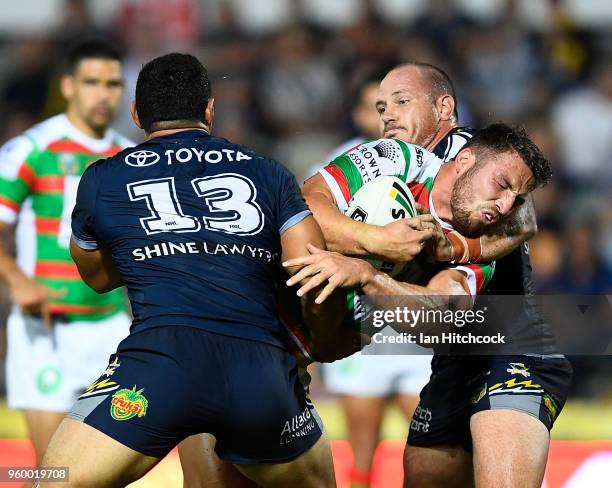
(464, 249)
(367, 273)
(370, 279)
(369, 238)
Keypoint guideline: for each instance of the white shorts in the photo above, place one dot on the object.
(373, 375)
(48, 369)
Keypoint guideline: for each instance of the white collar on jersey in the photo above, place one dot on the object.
(434, 214)
(96, 145)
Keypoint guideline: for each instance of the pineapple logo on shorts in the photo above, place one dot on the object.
(551, 406)
(127, 403)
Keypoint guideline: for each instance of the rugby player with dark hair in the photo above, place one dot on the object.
(465, 430)
(60, 332)
(195, 228)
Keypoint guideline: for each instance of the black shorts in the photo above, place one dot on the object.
(167, 383)
(460, 386)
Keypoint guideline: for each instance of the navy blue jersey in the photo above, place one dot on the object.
(194, 224)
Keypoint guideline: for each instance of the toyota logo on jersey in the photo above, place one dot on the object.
(140, 159)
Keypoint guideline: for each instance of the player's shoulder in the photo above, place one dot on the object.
(13, 154)
(247, 153)
(101, 167)
(452, 143)
(250, 157)
(43, 134)
(394, 149)
(345, 147)
(36, 137)
(18, 149)
(390, 157)
(119, 140)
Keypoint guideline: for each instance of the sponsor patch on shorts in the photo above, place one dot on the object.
(127, 404)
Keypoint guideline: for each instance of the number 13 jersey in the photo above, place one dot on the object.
(193, 223)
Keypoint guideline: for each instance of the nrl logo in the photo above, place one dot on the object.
(127, 403)
(69, 164)
(519, 368)
(359, 214)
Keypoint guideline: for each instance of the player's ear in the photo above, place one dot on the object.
(209, 113)
(67, 86)
(134, 114)
(464, 160)
(446, 107)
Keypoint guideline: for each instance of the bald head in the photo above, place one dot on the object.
(437, 81)
(417, 104)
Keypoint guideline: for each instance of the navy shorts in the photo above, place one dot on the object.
(460, 386)
(167, 383)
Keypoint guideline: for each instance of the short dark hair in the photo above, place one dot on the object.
(92, 48)
(364, 76)
(500, 138)
(172, 87)
(439, 81)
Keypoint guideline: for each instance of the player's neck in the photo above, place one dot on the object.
(83, 127)
(443, 131)
(161, 131)
(442, 190)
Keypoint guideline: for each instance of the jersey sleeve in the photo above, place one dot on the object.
(478, 276)
(291, 207)
(346, 174)
(17, 176)
(83, 231)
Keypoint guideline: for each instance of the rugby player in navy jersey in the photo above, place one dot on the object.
(494, 437)
(195, 227)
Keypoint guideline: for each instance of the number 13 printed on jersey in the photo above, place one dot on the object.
(229, 195)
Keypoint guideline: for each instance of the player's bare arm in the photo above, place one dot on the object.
(96, 267)
(398, 241)
(323, 320)
(340, 271)
(31, 296)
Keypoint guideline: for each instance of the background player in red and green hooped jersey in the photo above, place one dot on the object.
(39, 175)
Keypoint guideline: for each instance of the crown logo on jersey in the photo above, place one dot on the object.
(387, 149)
(140, 159)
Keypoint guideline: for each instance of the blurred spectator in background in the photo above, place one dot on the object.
(299, 93)
(146, 28)
(25, 90)
(584, 272)
(582, 119)
(76, 22)
(501, 68)
(546, 251)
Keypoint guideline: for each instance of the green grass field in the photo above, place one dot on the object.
(580, 420)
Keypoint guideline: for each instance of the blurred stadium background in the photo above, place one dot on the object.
(281, 72)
